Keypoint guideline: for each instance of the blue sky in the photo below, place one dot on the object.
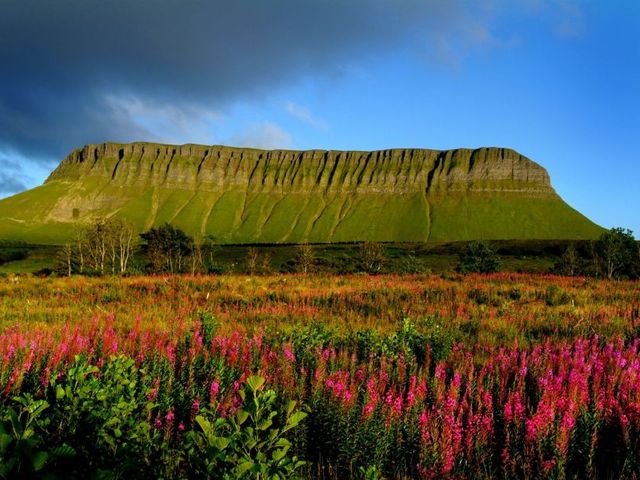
(557, 80)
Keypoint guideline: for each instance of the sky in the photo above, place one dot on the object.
(557, 80)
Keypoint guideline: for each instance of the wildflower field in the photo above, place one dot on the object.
(320, 377)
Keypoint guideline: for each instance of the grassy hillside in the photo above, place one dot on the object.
(253, 196)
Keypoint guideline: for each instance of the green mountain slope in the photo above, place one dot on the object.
(242, 195)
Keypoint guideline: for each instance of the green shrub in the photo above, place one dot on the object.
(250, 444)
(22, 443)
(479, 258)
(555, 296)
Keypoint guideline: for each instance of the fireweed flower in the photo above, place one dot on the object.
(195, 408)
(170, 416)
(213, 391)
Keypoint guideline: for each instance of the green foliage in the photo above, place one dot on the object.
(108, 415)
(479, 258)
(372, 257)
(617, 254)
(22, 447)
(250, 444)
(98, 422)
(570, 263)
(555, 296)
(412, 264)
(257, 262)
(305, 258)
(370, 473)
(12, 254)
(209, 325)
(167, 248)
(483, 297)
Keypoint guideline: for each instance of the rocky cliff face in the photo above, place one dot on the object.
(242, 195)
(219, 168)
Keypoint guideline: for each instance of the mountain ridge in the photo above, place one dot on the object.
(247, 195)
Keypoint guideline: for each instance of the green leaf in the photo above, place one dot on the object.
(204, 424)
(38, 407)
(59, 392)
(278, 455)
(104, 475)
(243, 468)
(39, 460)
(241, 416)
(220, 443)
(265, 424)
(64, 451)
(294, 420)
(255, 383)
(5, 441)
(15, 422)
(283, 442)
(7, 467)
(291, 405)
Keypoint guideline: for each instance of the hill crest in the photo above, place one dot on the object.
(246, 195)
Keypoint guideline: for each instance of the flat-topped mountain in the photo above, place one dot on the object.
(243, 195)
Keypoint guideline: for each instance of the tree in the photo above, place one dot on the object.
(569, 263)
(167, 248)
(252, 260)
(479, 258)
(126, 242)
(305, 258)
(372, 257)
(616, 253)
(257, 263)
(79, 246)
(412, 264)
(96, 242)
(105, 244)
(202, 257)
(65, 259)
(265, 263)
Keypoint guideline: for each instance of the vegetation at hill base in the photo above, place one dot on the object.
(111, 246)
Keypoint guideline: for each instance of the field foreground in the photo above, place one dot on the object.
(501, 376)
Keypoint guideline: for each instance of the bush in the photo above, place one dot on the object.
(412, 264)
(250, 444)
(372, 257)
(479, 258)
(106, 423)
(617, 254)
(555, 296)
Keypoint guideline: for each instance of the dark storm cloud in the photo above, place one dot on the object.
(65, 61)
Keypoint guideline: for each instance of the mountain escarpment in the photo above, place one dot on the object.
(242, 195)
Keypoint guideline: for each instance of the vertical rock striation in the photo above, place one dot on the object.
(244, 195)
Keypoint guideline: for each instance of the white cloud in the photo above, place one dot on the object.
(304, 115)
(164, 121)
(463, 28)
(265, 135)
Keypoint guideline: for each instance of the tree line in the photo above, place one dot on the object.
(108, 246)
(615, 255)
(111, 246)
